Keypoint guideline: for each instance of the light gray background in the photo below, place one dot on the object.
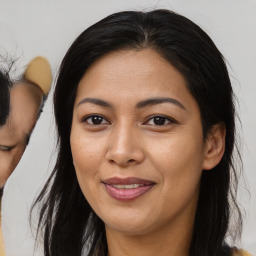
(48, 27)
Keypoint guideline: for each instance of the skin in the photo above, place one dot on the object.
(25, 100)
(127, 142)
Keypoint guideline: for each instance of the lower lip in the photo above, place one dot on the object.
(127, 194)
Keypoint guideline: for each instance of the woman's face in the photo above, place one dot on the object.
(137, 143)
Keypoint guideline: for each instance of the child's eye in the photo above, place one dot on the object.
(95, 120)
(6, 148)
(159, 121)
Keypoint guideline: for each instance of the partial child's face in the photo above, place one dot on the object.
(25, 103)
(137, 143)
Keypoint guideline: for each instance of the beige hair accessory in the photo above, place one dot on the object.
(39, 72)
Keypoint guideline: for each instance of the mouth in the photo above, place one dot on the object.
(127, 189)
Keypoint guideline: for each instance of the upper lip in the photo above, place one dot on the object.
(127, 181)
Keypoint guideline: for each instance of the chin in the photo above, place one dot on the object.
(129, 226)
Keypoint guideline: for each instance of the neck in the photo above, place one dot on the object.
(162, 242)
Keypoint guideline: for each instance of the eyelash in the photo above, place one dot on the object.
(85, 119)
(6, 149)
(158, 118)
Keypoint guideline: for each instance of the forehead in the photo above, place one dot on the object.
(25, 104)
(142, 73)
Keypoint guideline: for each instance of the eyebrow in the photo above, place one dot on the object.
(95, 101)
(141, 104)
(159, 100)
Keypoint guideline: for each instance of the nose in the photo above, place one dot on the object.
(125, 147)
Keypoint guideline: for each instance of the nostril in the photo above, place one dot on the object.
(124, 155)
(112, 161)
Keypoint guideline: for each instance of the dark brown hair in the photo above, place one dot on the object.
(67, 220)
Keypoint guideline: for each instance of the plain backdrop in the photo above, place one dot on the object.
(48, 27)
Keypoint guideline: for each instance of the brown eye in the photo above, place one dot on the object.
(159, 120)
(95, 120)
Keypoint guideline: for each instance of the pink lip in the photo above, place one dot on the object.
(122, 194)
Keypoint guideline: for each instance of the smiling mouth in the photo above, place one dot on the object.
(130, 186)
(127, 189)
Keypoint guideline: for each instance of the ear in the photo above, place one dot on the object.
(214, 146)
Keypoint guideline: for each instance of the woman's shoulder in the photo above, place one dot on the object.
(241, 253)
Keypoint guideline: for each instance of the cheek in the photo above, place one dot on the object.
(179, 159)
(8, 162)
(17, 155)
(86, 150)
(6, 167)
(180, 165)
(87, 153)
